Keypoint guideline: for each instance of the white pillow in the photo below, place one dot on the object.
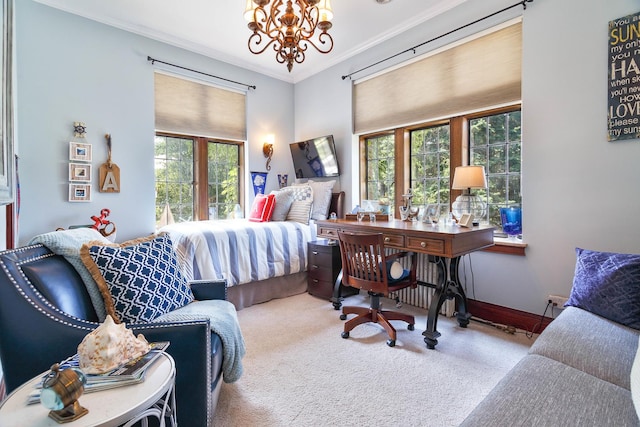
(396, 271)
(635, 382)
(321, 198)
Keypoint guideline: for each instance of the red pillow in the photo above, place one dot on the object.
(262, 208)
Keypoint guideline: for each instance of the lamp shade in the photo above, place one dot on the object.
(469, 177)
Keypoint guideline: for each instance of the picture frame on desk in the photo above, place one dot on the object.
(466, 220)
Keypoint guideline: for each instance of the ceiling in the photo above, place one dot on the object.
(216, 28)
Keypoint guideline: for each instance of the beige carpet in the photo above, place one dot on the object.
(298, 371)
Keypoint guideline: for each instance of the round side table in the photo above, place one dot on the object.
(121, 406)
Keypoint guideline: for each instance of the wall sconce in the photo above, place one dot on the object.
(267, 149)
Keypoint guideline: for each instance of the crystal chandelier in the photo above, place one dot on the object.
(289, 26)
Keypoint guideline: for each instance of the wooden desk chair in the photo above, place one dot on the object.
(365, 266)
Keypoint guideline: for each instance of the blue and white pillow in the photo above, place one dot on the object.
(139, 282)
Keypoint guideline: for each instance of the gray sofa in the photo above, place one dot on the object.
(577, 373)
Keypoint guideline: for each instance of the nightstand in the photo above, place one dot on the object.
(323, 268)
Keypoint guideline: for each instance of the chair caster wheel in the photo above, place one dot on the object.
(343, 317)
(391, 343)
(411, 327)
(345, 335)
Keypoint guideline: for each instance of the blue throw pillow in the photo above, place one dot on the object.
(608, 284)
(139, 282)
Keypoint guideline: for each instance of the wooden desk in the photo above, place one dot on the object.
(445, 244)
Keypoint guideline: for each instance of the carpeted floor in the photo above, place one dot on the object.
(298, 371)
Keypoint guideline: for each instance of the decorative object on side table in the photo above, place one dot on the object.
(61, 390)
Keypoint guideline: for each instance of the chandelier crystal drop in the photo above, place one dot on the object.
(289, 26)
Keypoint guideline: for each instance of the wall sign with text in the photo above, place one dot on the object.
(623, 114)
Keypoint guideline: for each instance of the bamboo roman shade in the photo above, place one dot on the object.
(190, 108)
(477, 74)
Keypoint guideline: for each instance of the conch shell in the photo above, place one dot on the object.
(109, 346)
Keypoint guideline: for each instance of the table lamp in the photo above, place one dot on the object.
(465, 178)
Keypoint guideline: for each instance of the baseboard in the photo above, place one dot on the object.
(507, 316)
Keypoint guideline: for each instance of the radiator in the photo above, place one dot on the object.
(427, 273)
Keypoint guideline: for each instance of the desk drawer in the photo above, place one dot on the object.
(394, 240)
(327, 232)
(433, 246)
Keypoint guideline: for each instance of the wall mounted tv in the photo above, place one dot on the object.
(315, 157)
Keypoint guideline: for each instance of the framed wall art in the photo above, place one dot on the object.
(79, 192)
(79, 152)
(79, 172)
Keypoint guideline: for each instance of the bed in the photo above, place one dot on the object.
(259, 260)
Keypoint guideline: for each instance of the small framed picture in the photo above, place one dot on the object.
(79, 152)
(79, 192)
(79, 172)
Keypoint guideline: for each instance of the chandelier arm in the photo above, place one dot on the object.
(257, 44)
(321, 39)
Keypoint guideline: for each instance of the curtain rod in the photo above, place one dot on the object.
(413, 49)
(153, 60)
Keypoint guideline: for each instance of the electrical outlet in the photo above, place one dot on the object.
(557, 300)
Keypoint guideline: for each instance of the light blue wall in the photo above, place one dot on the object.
(73, 69)
(578, 189)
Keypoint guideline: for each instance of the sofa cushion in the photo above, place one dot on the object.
(139, 280)
(594, 343)
(542, 392)
(608, 284)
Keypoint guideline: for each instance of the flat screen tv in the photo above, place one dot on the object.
(315, 157)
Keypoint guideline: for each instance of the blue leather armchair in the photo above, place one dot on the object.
(45, 312)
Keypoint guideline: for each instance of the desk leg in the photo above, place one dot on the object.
(337, 299)
(448, 287)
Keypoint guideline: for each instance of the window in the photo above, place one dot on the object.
(430, 162)
(196, 178)
(380, 167)
(495, 142)
(490, 138)
(174, 177)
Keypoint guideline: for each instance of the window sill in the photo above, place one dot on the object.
(504, 245)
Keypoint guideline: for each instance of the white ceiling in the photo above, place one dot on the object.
(216, 28)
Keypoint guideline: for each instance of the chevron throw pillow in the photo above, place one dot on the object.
(138, 282)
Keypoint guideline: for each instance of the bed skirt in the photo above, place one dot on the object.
(251, 293)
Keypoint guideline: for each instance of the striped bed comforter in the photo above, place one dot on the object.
(240, 251)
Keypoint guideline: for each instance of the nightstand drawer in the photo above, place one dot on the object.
(328, 260)
(320, 272)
